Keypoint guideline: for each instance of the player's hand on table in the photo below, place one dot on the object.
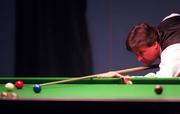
(110, 74)
(127, 80)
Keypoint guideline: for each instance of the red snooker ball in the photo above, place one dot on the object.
(19, 84)
(13, 95)
(4, 94)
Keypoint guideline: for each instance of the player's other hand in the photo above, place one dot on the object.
(111, 74)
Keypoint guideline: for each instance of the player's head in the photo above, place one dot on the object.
(143, 41)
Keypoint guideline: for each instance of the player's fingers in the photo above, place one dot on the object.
(117, 75)
(127, 80)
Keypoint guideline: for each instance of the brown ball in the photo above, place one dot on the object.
(158, 89)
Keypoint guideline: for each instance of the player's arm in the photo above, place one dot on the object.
(170, 62)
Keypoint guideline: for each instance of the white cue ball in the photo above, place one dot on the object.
(129, 82)
(9, 86)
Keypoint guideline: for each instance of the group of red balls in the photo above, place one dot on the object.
(10, 87)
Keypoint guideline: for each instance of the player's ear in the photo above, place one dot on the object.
(156, 44)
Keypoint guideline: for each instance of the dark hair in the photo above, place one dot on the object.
(141, 35)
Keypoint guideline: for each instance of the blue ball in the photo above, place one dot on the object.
(37, 88)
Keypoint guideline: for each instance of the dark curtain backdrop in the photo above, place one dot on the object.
(51, 38)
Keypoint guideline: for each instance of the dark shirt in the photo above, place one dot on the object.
(169, 32)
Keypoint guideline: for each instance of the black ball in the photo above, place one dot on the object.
(158, 89)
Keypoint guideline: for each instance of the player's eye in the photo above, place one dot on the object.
(140, 53)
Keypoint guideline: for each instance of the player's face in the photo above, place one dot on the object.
(148, 55)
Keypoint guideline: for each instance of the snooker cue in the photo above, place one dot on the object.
(135, 69)
(140, 68)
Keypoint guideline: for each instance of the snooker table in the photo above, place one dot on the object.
(94, 95)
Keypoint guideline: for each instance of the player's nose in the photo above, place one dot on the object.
(139, 58)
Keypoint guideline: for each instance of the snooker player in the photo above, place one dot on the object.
(150, 43)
